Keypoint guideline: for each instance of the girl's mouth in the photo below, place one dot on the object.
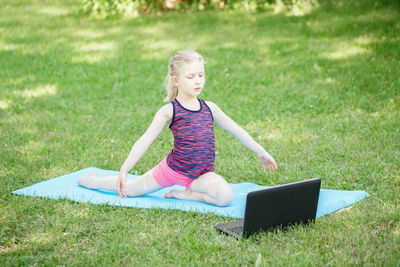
(197, 89)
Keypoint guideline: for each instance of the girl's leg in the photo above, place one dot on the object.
(209, 187)
(143, 185)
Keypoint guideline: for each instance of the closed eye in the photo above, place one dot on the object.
(191, 76)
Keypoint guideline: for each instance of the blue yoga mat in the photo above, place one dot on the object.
(65, 187)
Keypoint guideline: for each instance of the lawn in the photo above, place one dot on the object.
(320, 92)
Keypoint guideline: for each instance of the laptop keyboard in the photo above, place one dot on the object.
(236, 229)
(235, 226)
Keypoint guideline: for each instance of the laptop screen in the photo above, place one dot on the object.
(282, 205)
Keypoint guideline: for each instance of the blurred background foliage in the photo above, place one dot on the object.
(133, 8)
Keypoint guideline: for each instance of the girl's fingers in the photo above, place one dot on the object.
(271, 166)
(264, 166)
(123, 191)
(119, 189)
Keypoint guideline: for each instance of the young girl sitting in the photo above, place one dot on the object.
(191, 161)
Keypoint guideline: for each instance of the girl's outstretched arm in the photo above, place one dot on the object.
(226, 123)
(162, 117)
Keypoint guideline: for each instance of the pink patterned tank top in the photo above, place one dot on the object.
(193, 153)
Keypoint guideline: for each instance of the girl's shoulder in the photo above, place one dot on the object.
(166, 111)
(213, 107)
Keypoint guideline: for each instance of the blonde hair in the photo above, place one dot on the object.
(176, 62)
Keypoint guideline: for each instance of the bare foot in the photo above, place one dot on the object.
(88, 181)
(179, 194)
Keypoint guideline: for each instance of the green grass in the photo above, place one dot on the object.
(320, 92)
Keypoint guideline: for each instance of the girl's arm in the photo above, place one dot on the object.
(162, 117)
(226, 123)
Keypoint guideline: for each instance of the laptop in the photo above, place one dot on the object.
(277, 206)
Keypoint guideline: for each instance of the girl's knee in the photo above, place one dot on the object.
(218, 188)
(224, 196)
(223, 191)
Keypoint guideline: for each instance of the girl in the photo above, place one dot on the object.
(191, 161)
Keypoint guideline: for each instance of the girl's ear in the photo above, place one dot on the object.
(174, 80)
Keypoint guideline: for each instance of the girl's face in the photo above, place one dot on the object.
(191, 79)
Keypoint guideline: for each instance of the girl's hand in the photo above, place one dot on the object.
(121, 183)
(267, 161)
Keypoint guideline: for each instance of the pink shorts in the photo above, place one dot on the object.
(165, 176)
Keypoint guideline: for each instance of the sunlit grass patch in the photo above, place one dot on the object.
(346, 51)
(4, 104)
(38, 92)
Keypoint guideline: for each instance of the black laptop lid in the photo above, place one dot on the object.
(281, 205)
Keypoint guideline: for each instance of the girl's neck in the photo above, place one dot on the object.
(188, 100)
